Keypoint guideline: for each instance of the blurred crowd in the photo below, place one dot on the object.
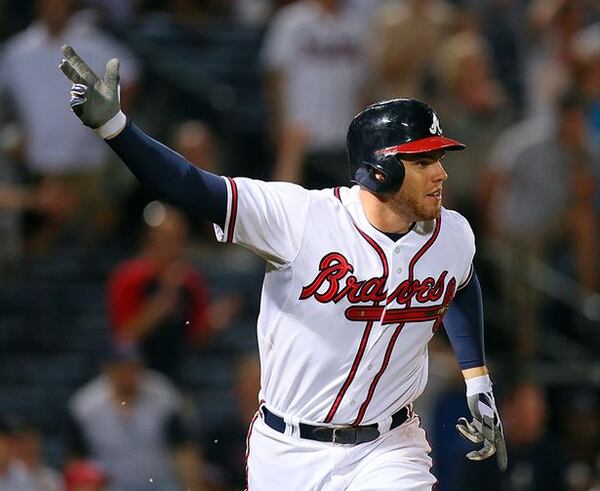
(95, 268)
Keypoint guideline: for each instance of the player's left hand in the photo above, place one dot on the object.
(485, 428)
(94, 100)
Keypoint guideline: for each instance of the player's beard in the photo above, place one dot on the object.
(415, 207)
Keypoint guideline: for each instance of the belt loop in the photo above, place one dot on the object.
(292, 425)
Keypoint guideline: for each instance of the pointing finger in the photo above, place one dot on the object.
(80, 66)
(70, 72)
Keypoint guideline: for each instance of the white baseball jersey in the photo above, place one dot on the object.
(346, 312)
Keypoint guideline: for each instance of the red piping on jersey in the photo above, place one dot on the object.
(423, 250)
(388, 352)
(386, 359)
(378, 249)
(353, 370)
(248, 442)
(233, 215)
(367, 331)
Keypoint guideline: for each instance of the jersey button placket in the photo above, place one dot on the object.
(397, 263)
(397, 258)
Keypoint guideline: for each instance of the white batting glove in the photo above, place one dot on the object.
(94, 100)
(486, 426)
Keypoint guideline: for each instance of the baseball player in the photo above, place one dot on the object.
(357, 281)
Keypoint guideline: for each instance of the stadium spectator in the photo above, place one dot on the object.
(472, 105)
(29, 449)
(502, 24)
(586, 73)
(315, 62)
(159, 300)
(54, 145)
(116, 14)
(84, 475)
(422, 26)
(564, 163)
(562, 228)
(252, 12)
(129, 420)
(197, 142)
(224, 447)
(552, 25)
(580, 428)
(502, 157)
(13, 474)
(536, 462)
(178, 16)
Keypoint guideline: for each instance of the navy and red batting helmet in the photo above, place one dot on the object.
(385, 129)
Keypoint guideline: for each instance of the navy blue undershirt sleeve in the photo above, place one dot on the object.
(171, 176)
(466, 331)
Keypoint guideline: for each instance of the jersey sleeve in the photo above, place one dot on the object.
(466, 251)
(269, 218)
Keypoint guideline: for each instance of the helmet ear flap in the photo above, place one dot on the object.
(392, 170)
(383, 175)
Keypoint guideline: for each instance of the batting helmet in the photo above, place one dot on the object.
(385, 129)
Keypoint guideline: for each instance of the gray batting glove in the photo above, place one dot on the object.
(94, 100)
(485, 428)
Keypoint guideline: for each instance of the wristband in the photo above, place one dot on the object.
(478, 385)
(112, 127)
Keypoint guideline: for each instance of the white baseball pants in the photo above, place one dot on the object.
(398, 460)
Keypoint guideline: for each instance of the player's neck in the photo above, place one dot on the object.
(382, 216)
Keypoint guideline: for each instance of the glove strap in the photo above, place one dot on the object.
(477, 385)
(112, 127)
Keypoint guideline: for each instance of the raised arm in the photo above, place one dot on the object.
(95, 101)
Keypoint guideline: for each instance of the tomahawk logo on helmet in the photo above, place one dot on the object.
(385, 129)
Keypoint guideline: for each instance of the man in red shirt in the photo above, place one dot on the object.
(158, 300)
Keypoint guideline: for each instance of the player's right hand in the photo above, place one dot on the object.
(485, 428)
(94, 100)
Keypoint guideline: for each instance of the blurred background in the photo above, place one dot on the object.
(127, 343)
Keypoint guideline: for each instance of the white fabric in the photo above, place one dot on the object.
(112, 127)
(132, 448)
(308, 346)
(16, 478)
(322, 61)
(56, 141)
(478, 385)
(398, 460)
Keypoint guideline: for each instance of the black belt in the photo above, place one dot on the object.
(346, 434)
